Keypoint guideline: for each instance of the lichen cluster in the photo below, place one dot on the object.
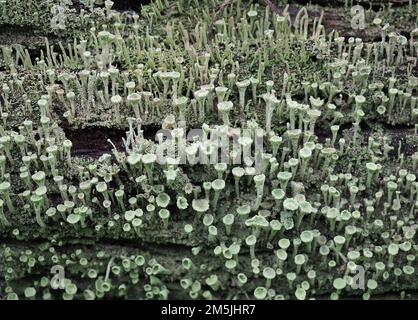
(335, 195)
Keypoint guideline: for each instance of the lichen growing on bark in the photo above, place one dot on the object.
(297, 179)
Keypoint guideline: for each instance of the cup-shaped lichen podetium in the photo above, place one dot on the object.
(116, 102)
(20, 141)
(339, 284)
(305, 208)
(5, 193)
(275, 142)
(228, 221)
(101, 187)
(275, 226)
(181, 103)
(85, 187)
(242, 279)
(165, 78)
(257, 223)
(372, 168)
(259, 186)
(305, 155)
(224, 108)
(221, 93)
(39, 178)
(238, 173)
(148, 160)
(338, 244)
(393, 250)
(290, 205)
(242, 88)
(134, 100)
(281, 256)
(43, 105)
(300, 260)
(217, 185)
(278, 196)
(251, 241)
(119, 194)
(269, 274)
(300, 293)
(200, 205)
(213, 282)
(260, 293)
(164, 214)
(201, 97)
(38, 202)
(243, 211)
(307, 237)
(331, 215)
(162, 200)
(271, 105)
